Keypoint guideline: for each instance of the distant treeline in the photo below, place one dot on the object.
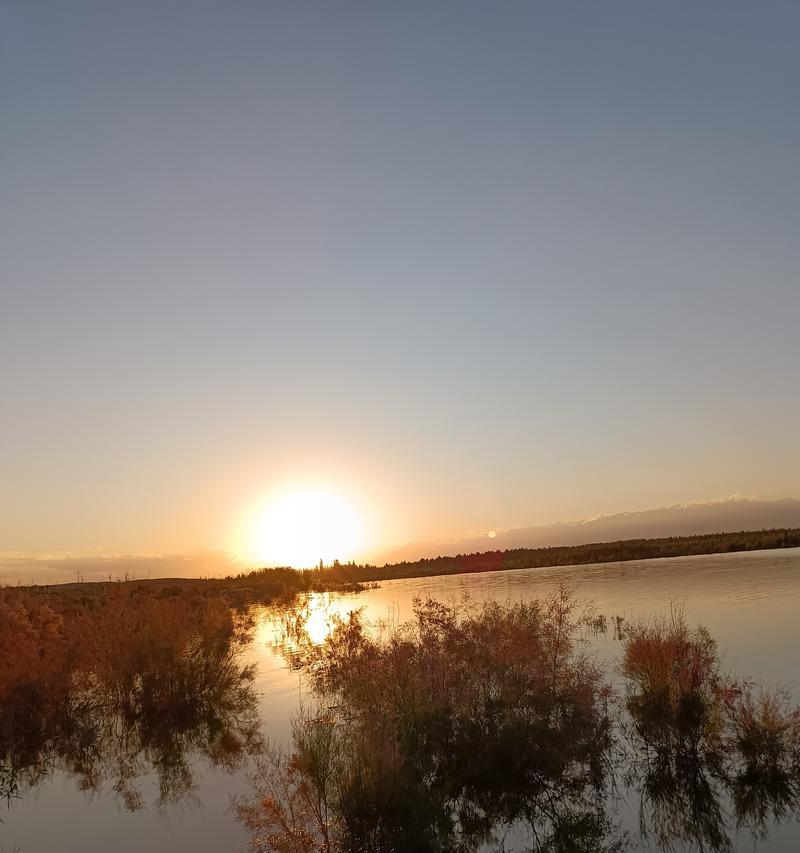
(283, 584)
(263, 586)
(572, 555)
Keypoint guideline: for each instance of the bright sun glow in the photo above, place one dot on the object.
(302, 528)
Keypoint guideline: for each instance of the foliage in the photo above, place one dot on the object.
(702, 739)
(490, 728)
(108, 688)
(459, 724)
(469, 728)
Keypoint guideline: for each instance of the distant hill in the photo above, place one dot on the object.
(722, 516)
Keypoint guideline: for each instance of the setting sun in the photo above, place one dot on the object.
(301, 528)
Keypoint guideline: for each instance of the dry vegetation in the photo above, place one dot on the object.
(109, 687)
(469, 728)
(703, 740)
(492, 727)
(455, 726)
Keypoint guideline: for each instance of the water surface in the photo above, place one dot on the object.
(750, 602)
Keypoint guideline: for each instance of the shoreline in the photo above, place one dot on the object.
(273, 584)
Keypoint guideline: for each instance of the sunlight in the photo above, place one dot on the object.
(304, 527)
(318, 625)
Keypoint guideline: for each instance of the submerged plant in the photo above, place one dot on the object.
(452, 729)
(110, 688)
(490, 728)
(702, 740)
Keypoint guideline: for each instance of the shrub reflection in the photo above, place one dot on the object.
(108, 688)
(492, 729)
(704, 743)
(454, 730)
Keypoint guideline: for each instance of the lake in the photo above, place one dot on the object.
(750, 602)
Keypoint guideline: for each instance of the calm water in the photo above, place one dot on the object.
(750, 602)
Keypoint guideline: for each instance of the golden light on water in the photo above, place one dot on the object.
(315, 615)
(319, 624)
(303, 527)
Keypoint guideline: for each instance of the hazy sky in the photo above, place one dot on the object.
(474, 264)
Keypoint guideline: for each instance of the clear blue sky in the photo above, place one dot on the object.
(481, 264)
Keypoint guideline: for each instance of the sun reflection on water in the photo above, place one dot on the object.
(314, 617)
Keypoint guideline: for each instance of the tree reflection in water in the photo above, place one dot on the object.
(492, 729)
(109, 688)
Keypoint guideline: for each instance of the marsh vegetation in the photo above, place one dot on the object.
(108, 689)
(491, 728)
(467, 728)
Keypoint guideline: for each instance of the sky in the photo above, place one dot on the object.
(466, 265)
